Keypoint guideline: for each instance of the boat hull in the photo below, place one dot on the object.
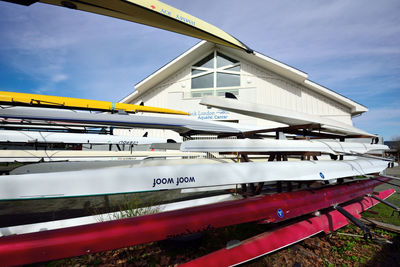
(273, 240)
(19, 212)
(11, 136)
(156, 178)
(281, 115)
(14, 98)
(80, 240)
(274, 145)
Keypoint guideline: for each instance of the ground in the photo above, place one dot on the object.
(335, 249)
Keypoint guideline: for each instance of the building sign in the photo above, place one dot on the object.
(210, 114)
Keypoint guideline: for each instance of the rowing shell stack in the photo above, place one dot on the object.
(237, 178)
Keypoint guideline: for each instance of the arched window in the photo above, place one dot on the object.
(215, 74)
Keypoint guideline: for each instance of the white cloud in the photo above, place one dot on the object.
(59, 78)
(383, 121)
(380, 114)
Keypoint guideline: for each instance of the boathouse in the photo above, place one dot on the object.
(210, 69)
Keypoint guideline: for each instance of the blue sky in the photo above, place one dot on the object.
(351, 47)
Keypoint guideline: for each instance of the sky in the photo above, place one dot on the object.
(350, 47)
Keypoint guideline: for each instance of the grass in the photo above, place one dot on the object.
(357, 250)
(383, 213)
(131, 207)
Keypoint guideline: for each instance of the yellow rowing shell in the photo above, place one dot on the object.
(153, 13)
(23, 99)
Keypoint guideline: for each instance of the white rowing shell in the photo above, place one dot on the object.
(273, 145)
(176, 123)
(64, 166)
(75, 138)
(44, 226)
(139, 179)
(281, 115)
(83, 155)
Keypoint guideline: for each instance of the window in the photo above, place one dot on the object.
(227, 79)
(215, 71)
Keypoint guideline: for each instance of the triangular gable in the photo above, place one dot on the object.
(202, 48)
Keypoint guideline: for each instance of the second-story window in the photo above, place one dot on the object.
(213, 72)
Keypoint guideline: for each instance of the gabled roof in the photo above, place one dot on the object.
(204, 47)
